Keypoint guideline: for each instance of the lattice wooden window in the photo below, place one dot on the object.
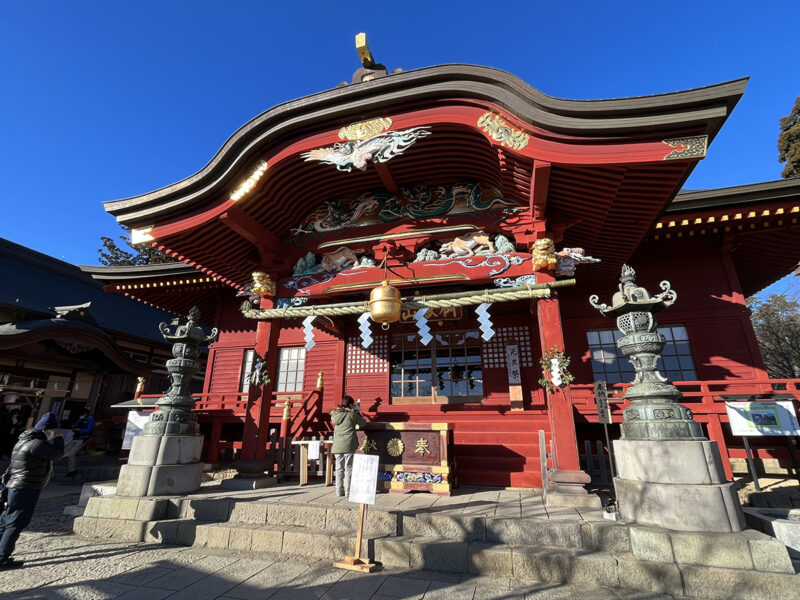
(494, 351)
(291, 368)
(449, 369)
(611, 365)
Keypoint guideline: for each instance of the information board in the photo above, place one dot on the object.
(136, 421)
(313, 450)
(364, 480)
(762, 418)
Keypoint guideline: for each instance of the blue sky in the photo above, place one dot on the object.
(105, 100)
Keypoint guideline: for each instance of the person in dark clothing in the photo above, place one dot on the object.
(30, 469)
(83, 429)
(346, 418)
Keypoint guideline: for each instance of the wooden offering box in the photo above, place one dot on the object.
(413, 456)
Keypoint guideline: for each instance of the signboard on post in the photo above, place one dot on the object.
(136, 421)
(762, 418)
(363, 483)
(601, 397)
(364, 480)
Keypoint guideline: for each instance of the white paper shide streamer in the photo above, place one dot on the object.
(308, 331)
(366, 332)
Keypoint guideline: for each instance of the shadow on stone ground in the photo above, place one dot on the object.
(60, 566)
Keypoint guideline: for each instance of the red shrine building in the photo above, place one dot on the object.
(497, 208)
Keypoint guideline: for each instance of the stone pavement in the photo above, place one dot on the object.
(62, 566)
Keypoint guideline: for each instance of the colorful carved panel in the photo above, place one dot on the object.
(477, 269)
(414, 202)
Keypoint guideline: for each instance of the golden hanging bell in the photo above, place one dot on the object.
(384, 304)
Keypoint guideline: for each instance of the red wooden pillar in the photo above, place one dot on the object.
(562, 421)
(213, 442)
(256, 425)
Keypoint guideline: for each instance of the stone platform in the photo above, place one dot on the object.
(495, 533)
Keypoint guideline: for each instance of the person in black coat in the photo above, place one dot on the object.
(30, 469)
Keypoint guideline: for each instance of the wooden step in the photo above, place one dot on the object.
(488, 463)
(503, 426)
(504, 450)
(499, 478)
(498, 438)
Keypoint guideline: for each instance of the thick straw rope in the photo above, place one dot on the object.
(536, 290)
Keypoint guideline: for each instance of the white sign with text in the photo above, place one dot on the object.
(364, 480)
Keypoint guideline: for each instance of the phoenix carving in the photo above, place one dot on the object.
(358, 153)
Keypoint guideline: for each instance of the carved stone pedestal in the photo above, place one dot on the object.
(165, 459)
(162, 465)
(677, 485)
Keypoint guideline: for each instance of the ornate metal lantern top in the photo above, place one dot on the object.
(631, 297)
(654, 413)
(190, 333)
(174, 415)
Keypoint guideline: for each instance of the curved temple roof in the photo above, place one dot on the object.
(702, 110)
(610, 167)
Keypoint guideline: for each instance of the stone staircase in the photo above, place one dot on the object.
(549, 550)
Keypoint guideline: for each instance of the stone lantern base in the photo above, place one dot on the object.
(162, 465)
(674, 484)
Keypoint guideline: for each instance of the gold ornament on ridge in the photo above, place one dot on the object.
(364, 129)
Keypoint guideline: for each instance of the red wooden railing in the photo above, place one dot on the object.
(703, 397)
(706, 400)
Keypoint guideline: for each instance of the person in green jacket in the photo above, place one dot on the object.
(345, 418)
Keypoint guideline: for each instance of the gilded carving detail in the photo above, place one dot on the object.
(368, 446)
(544, 255)
(688, 147)
(395, 447)
(249, 183)
(422, 447)
(262, 285)
(364, 129)
(502, 132)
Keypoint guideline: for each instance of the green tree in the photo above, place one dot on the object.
(776, 321)
(789, 142)
(112, 255)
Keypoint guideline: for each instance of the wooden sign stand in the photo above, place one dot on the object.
(356, 563)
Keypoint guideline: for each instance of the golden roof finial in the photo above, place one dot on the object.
(364, 53)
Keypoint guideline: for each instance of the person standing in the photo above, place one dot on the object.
(345, 419)
(83, 429)
(30, 469)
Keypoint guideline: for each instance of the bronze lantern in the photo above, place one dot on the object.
(384, 304)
